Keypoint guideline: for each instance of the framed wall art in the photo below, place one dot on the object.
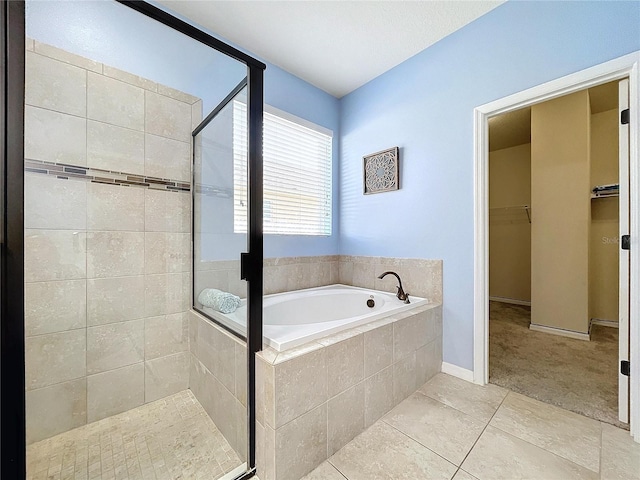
(381, 171)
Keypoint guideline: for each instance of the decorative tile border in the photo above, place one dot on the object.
(96, 175)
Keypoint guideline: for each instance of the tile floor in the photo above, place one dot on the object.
(449, 429)
(454, 429)
(168, 439)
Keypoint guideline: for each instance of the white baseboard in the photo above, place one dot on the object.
(456, 371)
(510, 300)
(605, 323)
(560, 331)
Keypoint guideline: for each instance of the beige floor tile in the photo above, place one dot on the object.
(325, 471)
(383, 453)
(475, 400)
(462, 475)
(559, 431)
(444, 430)
(620, 455)
(498, 455)
(167, 439)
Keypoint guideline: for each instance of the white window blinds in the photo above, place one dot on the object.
(297, 176)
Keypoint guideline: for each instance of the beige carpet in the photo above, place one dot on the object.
(573, 374)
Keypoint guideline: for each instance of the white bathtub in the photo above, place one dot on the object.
(293, 318)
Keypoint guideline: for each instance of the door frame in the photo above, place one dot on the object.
(12, 356)
(626, 66)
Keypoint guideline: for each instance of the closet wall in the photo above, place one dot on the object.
(565, 262)
(604, 246)
(560, 186)
(509, 226)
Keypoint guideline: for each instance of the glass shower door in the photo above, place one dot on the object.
(220, 294)
(220, 212)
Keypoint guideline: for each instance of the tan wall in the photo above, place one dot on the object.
(509, 229)
(560, 186)
(604, 248)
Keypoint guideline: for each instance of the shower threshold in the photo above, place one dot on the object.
(166, 439)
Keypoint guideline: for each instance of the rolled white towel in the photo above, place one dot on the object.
(223, 302)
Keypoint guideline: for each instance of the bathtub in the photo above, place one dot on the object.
(293, 318)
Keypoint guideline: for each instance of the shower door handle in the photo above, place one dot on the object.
(244, 266)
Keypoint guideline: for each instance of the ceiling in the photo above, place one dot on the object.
(514, 128)
(603, 97)
(510, 129)
(337, 46)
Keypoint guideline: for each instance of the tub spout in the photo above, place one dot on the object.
(402, 295)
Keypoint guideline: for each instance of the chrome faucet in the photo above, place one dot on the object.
(401, 293)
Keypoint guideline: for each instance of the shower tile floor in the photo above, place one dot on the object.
(172, 438)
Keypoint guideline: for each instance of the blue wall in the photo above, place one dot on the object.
(120, 37)
(297, 97)
(425, 106)
(287, 92)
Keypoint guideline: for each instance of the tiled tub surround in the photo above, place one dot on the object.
(107, 266)
(321, 404)
(218, 378)
(420, 277)
(312, 400)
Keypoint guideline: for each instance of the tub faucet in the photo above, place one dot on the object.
(401, 293)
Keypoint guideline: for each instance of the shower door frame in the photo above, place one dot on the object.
(253, 260)
(12, 356)
(12, 337)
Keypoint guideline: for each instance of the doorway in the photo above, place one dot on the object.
(614, 70)
(553, 252)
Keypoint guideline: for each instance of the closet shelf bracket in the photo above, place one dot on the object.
(526, 208)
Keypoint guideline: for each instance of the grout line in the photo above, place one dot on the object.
(600, 453)
(544, 449)
(144, 132)
(483, 430)
(336, 468)
(327, 410)
(538, 446)
(144, 260)
(456, 409)
(416, 441)
(86, 253)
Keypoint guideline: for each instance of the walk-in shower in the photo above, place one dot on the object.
(128, 188)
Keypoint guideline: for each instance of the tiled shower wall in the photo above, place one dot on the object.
(107, 243)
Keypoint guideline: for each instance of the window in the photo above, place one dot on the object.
(297, 175)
